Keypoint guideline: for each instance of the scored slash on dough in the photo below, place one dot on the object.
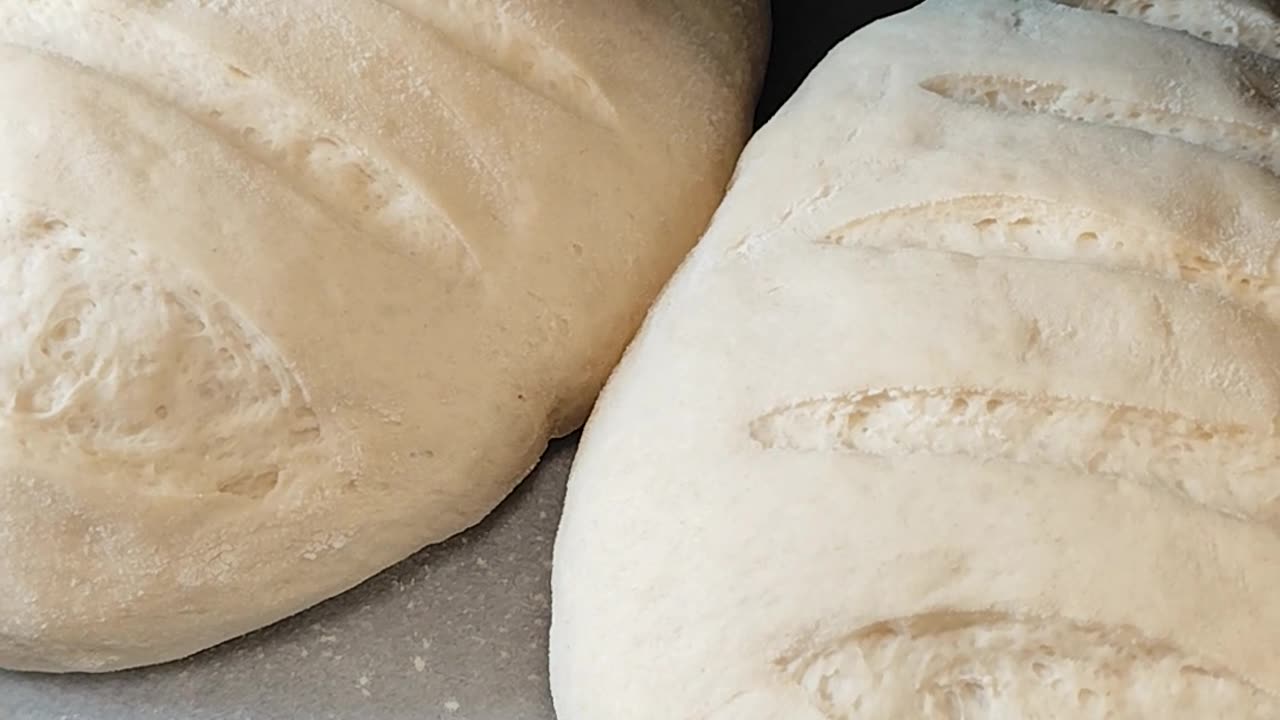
(344, 173)
(1229, 469)
(486, 30)
(116, 358)
(1246, 24)
(1249, 143)
(944, 666)
(1023, 227)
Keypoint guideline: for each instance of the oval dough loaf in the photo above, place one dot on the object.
(292, 288)
(966, 405)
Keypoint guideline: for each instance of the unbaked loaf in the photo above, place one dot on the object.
(966, 405)
(291, 288)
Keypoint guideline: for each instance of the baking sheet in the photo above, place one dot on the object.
(457, 632)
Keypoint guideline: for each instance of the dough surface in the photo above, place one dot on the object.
(291, 288)
(966, 404)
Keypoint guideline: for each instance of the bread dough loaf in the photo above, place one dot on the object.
(966, 405)
(292, 288)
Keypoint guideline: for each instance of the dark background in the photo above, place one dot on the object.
(804, 31)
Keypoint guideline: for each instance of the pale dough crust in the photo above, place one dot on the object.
(291, 288)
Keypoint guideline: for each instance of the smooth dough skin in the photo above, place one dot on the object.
(291, 288)
(966, 405)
